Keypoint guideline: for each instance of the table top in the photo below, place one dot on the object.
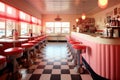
(27, 37)
(1, 45)
(12, 40)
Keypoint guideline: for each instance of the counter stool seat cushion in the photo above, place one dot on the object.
(75, 42)
(2, 59)
(79, 46)
(13, 51)
(33, 41)
(2, 62)
(27, 45)
(38, 39)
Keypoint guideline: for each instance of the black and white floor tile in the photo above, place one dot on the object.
(54, 63)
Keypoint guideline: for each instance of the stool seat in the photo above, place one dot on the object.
(13, 51)
(2, 62)
(79, 46)
(74, 42)
(27, 45)
(33, 41)
(2, 59)
(37, 39)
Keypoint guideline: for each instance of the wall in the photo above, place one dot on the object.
(65, 17)
(100, 18)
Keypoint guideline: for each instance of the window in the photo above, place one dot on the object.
(24, 28)
(57, 27)
(9, 17)
(24, 16)
(34, 28)
(10, 25)
(2, 28)
(49, 27)
(2, 7)
(11, 12)
(65, 27)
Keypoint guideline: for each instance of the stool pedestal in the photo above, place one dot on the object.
(28, 61)
(78, 68)
(13, 54)
(79, 48)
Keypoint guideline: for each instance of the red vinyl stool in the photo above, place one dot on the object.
(79, 48)
(13, 54)
(74, 61)
(3, 62)
(36, 49)
(28, 46)
(71, 42)
(41, 45)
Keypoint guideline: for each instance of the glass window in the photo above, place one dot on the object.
(2, 7)
(57, 24)
(65, 24)
(34, 20)
(28, 17)
(65, 30)
(57, 30)
(57, 27)
(49, 27)
(2, 28)
(11, 11)
(34, 28)
(49, 30)
(49, 24)
(22, 15)
(10, 25)
(24, 28)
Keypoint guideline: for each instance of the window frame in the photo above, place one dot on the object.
(54, 26)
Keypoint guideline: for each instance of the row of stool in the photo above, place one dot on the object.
(76, 49)
(12, 54)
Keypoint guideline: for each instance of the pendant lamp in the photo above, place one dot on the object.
(83, 16)
(77, 20)
(102, 3)
(58, 18)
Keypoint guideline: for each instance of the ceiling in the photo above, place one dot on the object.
(68, 6)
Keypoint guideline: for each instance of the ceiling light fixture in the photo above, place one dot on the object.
(83, 16)
(58, 18)
(102, 3)
(77, 20)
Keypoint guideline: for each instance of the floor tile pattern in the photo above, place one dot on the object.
(54, 63)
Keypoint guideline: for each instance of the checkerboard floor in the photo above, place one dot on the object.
(54, 63)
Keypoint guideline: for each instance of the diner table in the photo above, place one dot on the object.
(8, 43)
(28, 37)
(1, 45)
(7, 40)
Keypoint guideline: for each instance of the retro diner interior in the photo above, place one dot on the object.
(59, 39)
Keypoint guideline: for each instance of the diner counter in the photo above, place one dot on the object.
(102, 54)
(98, 38)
